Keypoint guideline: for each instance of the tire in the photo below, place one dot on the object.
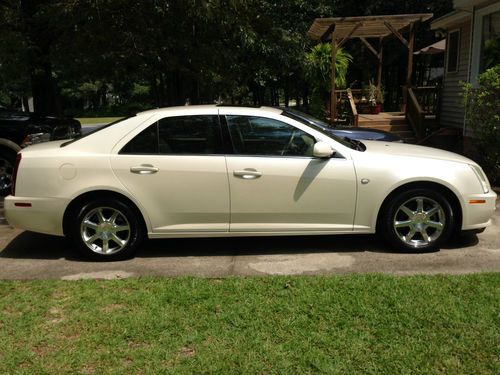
(7, 162)
(417, 220)
(106, 230)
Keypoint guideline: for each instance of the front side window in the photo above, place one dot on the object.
(268, 137)
(181, 135)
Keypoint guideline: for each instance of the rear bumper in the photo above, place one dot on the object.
(478, 215)
(43, 215)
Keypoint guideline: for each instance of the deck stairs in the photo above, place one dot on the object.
(393, 122)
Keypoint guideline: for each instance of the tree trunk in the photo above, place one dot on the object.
(43, 88)
(40, 38)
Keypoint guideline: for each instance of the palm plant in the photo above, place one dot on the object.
(318, 68)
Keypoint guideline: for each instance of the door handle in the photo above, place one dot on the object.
(144, 169)
(247, 174)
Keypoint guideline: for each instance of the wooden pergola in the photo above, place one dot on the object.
(339, 30)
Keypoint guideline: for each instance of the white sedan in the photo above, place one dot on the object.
(215, 171)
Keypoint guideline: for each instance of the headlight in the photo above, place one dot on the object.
(481, 177)
(31, 139)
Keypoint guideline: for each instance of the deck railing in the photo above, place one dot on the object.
(428, 98)
(345, 100)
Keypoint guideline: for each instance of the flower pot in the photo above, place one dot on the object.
(375, 109)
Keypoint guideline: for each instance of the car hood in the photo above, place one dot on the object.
(408, 150)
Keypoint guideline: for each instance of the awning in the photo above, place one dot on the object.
(435, 48)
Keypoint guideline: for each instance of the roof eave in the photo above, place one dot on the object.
(450, 19)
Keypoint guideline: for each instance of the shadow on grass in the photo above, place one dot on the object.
(29, 245)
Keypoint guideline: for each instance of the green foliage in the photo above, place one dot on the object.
(357, 324)
(318, 72)
(318, 67)
(229, 50)
(483, 117)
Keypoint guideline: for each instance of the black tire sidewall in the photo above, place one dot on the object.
(390, 210)
(10, 157)
(136, 231)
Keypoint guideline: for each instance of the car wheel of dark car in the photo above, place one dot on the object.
(7, 162)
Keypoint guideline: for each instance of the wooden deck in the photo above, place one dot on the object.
(383, 118)
(394, 122)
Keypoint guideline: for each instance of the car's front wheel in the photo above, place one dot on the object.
(107, 230)
(417, 220)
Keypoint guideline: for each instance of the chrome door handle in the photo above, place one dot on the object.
(247, 174)
(144, 169)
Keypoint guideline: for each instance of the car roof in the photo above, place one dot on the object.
(195, 108)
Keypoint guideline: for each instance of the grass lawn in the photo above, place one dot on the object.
(97, 120)
(271, 325)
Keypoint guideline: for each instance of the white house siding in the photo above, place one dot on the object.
(452, 110)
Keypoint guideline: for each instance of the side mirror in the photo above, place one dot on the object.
(322, 150)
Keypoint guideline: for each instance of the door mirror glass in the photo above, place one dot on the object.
(322, 150)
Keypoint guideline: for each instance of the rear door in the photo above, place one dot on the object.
(176, 169)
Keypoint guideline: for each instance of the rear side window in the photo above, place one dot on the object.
(190, 135)
(146, 142)
(182, 135)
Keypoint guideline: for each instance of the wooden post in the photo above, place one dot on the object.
(379, 70)
(410, 65)
(333, 99)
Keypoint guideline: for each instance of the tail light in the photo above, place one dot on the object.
(14, 173)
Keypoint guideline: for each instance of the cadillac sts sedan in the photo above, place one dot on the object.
(219, 171)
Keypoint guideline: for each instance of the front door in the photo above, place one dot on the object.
(277, 186)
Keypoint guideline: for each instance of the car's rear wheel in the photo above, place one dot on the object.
(7, 162)
(417, 220)
(107, 230)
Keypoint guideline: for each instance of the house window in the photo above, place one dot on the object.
(453, 51)
(490, 43)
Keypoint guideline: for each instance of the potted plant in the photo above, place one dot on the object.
(375, 99)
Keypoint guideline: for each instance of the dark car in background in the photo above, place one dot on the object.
(356, 133)
(21, 129)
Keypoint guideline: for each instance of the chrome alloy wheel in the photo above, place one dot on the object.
(419, 221)
(105, 230)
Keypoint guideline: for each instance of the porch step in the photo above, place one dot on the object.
(400, 128)
(387, 127)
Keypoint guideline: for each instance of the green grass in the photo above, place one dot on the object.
(97, 120)
(361, 324)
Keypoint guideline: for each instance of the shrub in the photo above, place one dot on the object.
(482, 106)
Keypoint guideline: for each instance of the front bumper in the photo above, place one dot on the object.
(478, 215)
(43, 215)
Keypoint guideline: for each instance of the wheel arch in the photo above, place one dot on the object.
(99, 194)
(7, 144)
(444, 190)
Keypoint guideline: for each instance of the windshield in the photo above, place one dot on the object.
(95, 131)
(316, 124)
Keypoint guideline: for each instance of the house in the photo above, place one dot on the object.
(472, 46)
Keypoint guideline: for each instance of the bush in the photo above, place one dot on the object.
(482, 106)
